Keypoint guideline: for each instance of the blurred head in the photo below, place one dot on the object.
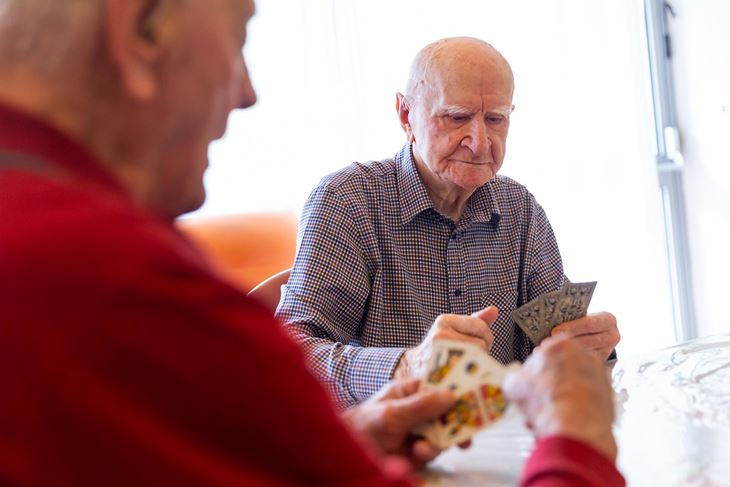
(456, 112)
(146, 84)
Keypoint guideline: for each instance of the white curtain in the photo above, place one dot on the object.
(326, 72)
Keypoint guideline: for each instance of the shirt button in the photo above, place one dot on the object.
(457, 292)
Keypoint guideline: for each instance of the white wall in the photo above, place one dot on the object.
(701, 41)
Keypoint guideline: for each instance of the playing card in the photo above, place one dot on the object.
(549, 310)
(494, 404)
(446, 354)
(528, 317)
(460, 422)
(573, 301)
(538, 317)
(475, 377)
(475, 367)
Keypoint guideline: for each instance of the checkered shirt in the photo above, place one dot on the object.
(376, 264)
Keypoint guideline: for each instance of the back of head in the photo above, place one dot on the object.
(45, 34)
(144, 85)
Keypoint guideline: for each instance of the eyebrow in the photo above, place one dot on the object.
(504, 110)
(458, 109)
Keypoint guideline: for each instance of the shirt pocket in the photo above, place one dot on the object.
(505, 301)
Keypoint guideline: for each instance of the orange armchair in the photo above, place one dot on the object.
(247, 248)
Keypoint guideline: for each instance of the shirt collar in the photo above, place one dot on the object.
(24, 134)
(412, 192)
(482, 206)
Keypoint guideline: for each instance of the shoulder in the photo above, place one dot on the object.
(355, 186)
(511, 195)
(89, 234)
(359, 175)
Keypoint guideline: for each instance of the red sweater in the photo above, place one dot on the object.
(125, 361)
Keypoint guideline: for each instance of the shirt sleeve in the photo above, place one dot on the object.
(543, 264)
(564, 462)
(325, 301)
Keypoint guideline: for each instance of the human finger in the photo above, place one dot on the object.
(488, 315)
(423, 451)
(594, 341)
(592, 323)
(422, 406)
(398, 388)
(469, 326)
(516, 386)
(446, 333)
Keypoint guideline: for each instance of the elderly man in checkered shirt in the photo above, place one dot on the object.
(385, 247)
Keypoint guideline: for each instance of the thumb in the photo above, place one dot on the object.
(514, 386)
(423, 406)
(487, 315)
(398, 388)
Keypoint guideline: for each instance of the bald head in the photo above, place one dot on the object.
(440, 61)
(456, 114)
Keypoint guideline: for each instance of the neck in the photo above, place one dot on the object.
(87, 123)
(450, 201)
(447, 198)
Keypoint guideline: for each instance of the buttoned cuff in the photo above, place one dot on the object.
(372, 368)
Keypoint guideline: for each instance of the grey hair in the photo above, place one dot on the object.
(46, 33)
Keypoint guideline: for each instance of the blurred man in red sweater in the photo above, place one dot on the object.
(124, 360)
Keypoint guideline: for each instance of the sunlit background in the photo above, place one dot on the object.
(326, 73)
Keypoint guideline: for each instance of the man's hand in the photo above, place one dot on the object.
(563, 390)
(595, 332)
(388, 417)
(475, 329)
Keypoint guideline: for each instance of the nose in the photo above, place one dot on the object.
(477, 137)
(247, 94)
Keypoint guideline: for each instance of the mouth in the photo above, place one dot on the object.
(474, 163)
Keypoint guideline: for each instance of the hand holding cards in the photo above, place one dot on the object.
(538, 317)
(475, 378)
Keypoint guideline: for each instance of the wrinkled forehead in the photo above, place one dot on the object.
(469, 86)
(463, 72)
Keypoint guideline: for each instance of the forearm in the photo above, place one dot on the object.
(559, 461)
(351, 373)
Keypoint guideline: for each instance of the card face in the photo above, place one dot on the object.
(494, 404)
(464, 419)
(475, 377)
(446, 355)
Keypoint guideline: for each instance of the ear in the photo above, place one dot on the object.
(403, 109)
(133, 33)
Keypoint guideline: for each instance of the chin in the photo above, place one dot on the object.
(474, 181)
(184, 203)
(193, 203)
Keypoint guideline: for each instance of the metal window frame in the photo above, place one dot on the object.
(670, 168)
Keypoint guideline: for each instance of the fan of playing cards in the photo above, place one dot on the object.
(538, 317)
(476, 380)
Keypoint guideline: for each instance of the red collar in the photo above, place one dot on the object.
(21, 133)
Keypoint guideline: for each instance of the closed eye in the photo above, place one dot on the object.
(493, 119)
(458, 117)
